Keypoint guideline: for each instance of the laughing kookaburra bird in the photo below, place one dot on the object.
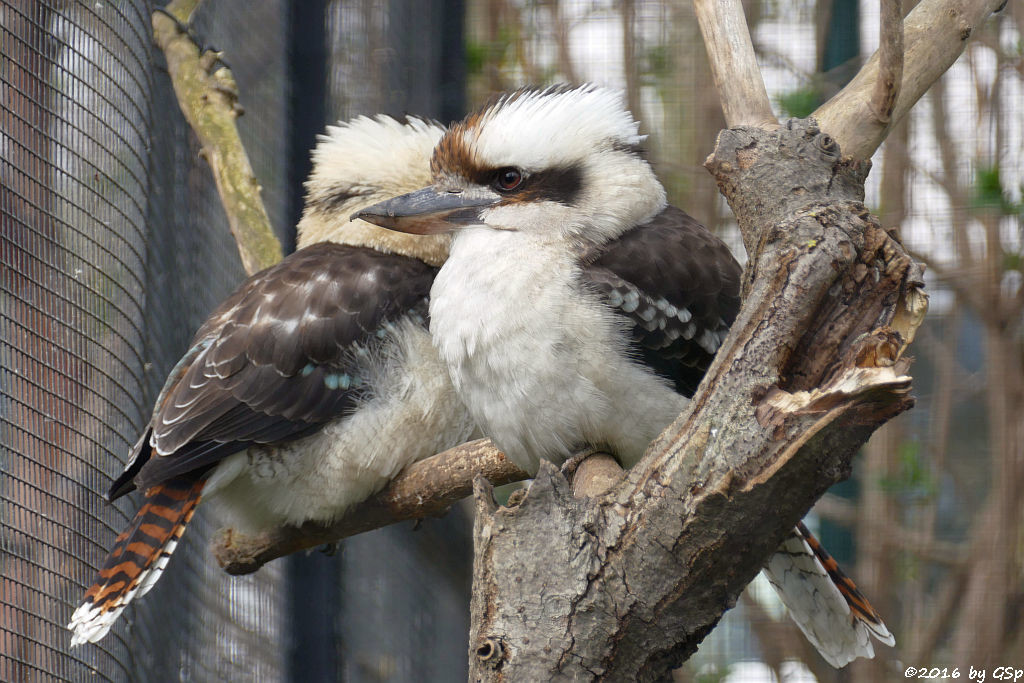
(309, 387)
(576, 309)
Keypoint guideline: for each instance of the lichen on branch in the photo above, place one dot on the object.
(208, 97)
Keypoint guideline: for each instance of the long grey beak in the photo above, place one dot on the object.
(429, 211)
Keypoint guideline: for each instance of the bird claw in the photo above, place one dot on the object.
(516, 497)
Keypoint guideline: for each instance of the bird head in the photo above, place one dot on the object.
(360, 163)
(562, 161)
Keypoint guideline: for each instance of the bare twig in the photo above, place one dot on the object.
(926, 638)
(208, 97)
(182, 10)
(935, 33)
(733, 64)
(561, 30)
(424, 489)
(520, 38)
(627, 12)
(890, 52)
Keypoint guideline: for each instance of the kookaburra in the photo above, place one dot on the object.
(577, 309)
(306, 390)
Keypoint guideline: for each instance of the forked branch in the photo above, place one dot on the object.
(935, 33)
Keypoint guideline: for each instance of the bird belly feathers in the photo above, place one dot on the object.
(514, 331)
(321, 476)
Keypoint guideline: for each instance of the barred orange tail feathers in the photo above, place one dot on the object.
(859, 605)
(823, 601)
(138, 558)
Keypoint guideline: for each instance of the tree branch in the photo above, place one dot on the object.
(733, 63)
(427, 488)
(935, 33)
(890, 56)
(208, 97)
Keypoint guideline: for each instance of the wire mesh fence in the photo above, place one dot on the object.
(106, 274)
(114, 248)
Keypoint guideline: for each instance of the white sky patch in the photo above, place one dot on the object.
(590, 37)
(758, 672)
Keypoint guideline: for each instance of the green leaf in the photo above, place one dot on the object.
(659, 61)
(988, 188)
(989, 193)
(799, 103)
(913, 477)
(477, 55)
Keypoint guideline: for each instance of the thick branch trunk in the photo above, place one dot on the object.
(624, 586)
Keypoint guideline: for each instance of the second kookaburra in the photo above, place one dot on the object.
(309, 387)
(576, 309)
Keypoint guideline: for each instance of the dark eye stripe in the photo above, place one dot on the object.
(561, 185)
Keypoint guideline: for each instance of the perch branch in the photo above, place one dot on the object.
(424, 489)
(935, 34)
(208, 97)
(733, 64)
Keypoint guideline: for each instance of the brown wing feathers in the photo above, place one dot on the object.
(678, 285)
(271, 364)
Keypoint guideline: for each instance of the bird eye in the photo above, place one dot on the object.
(508, 179)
